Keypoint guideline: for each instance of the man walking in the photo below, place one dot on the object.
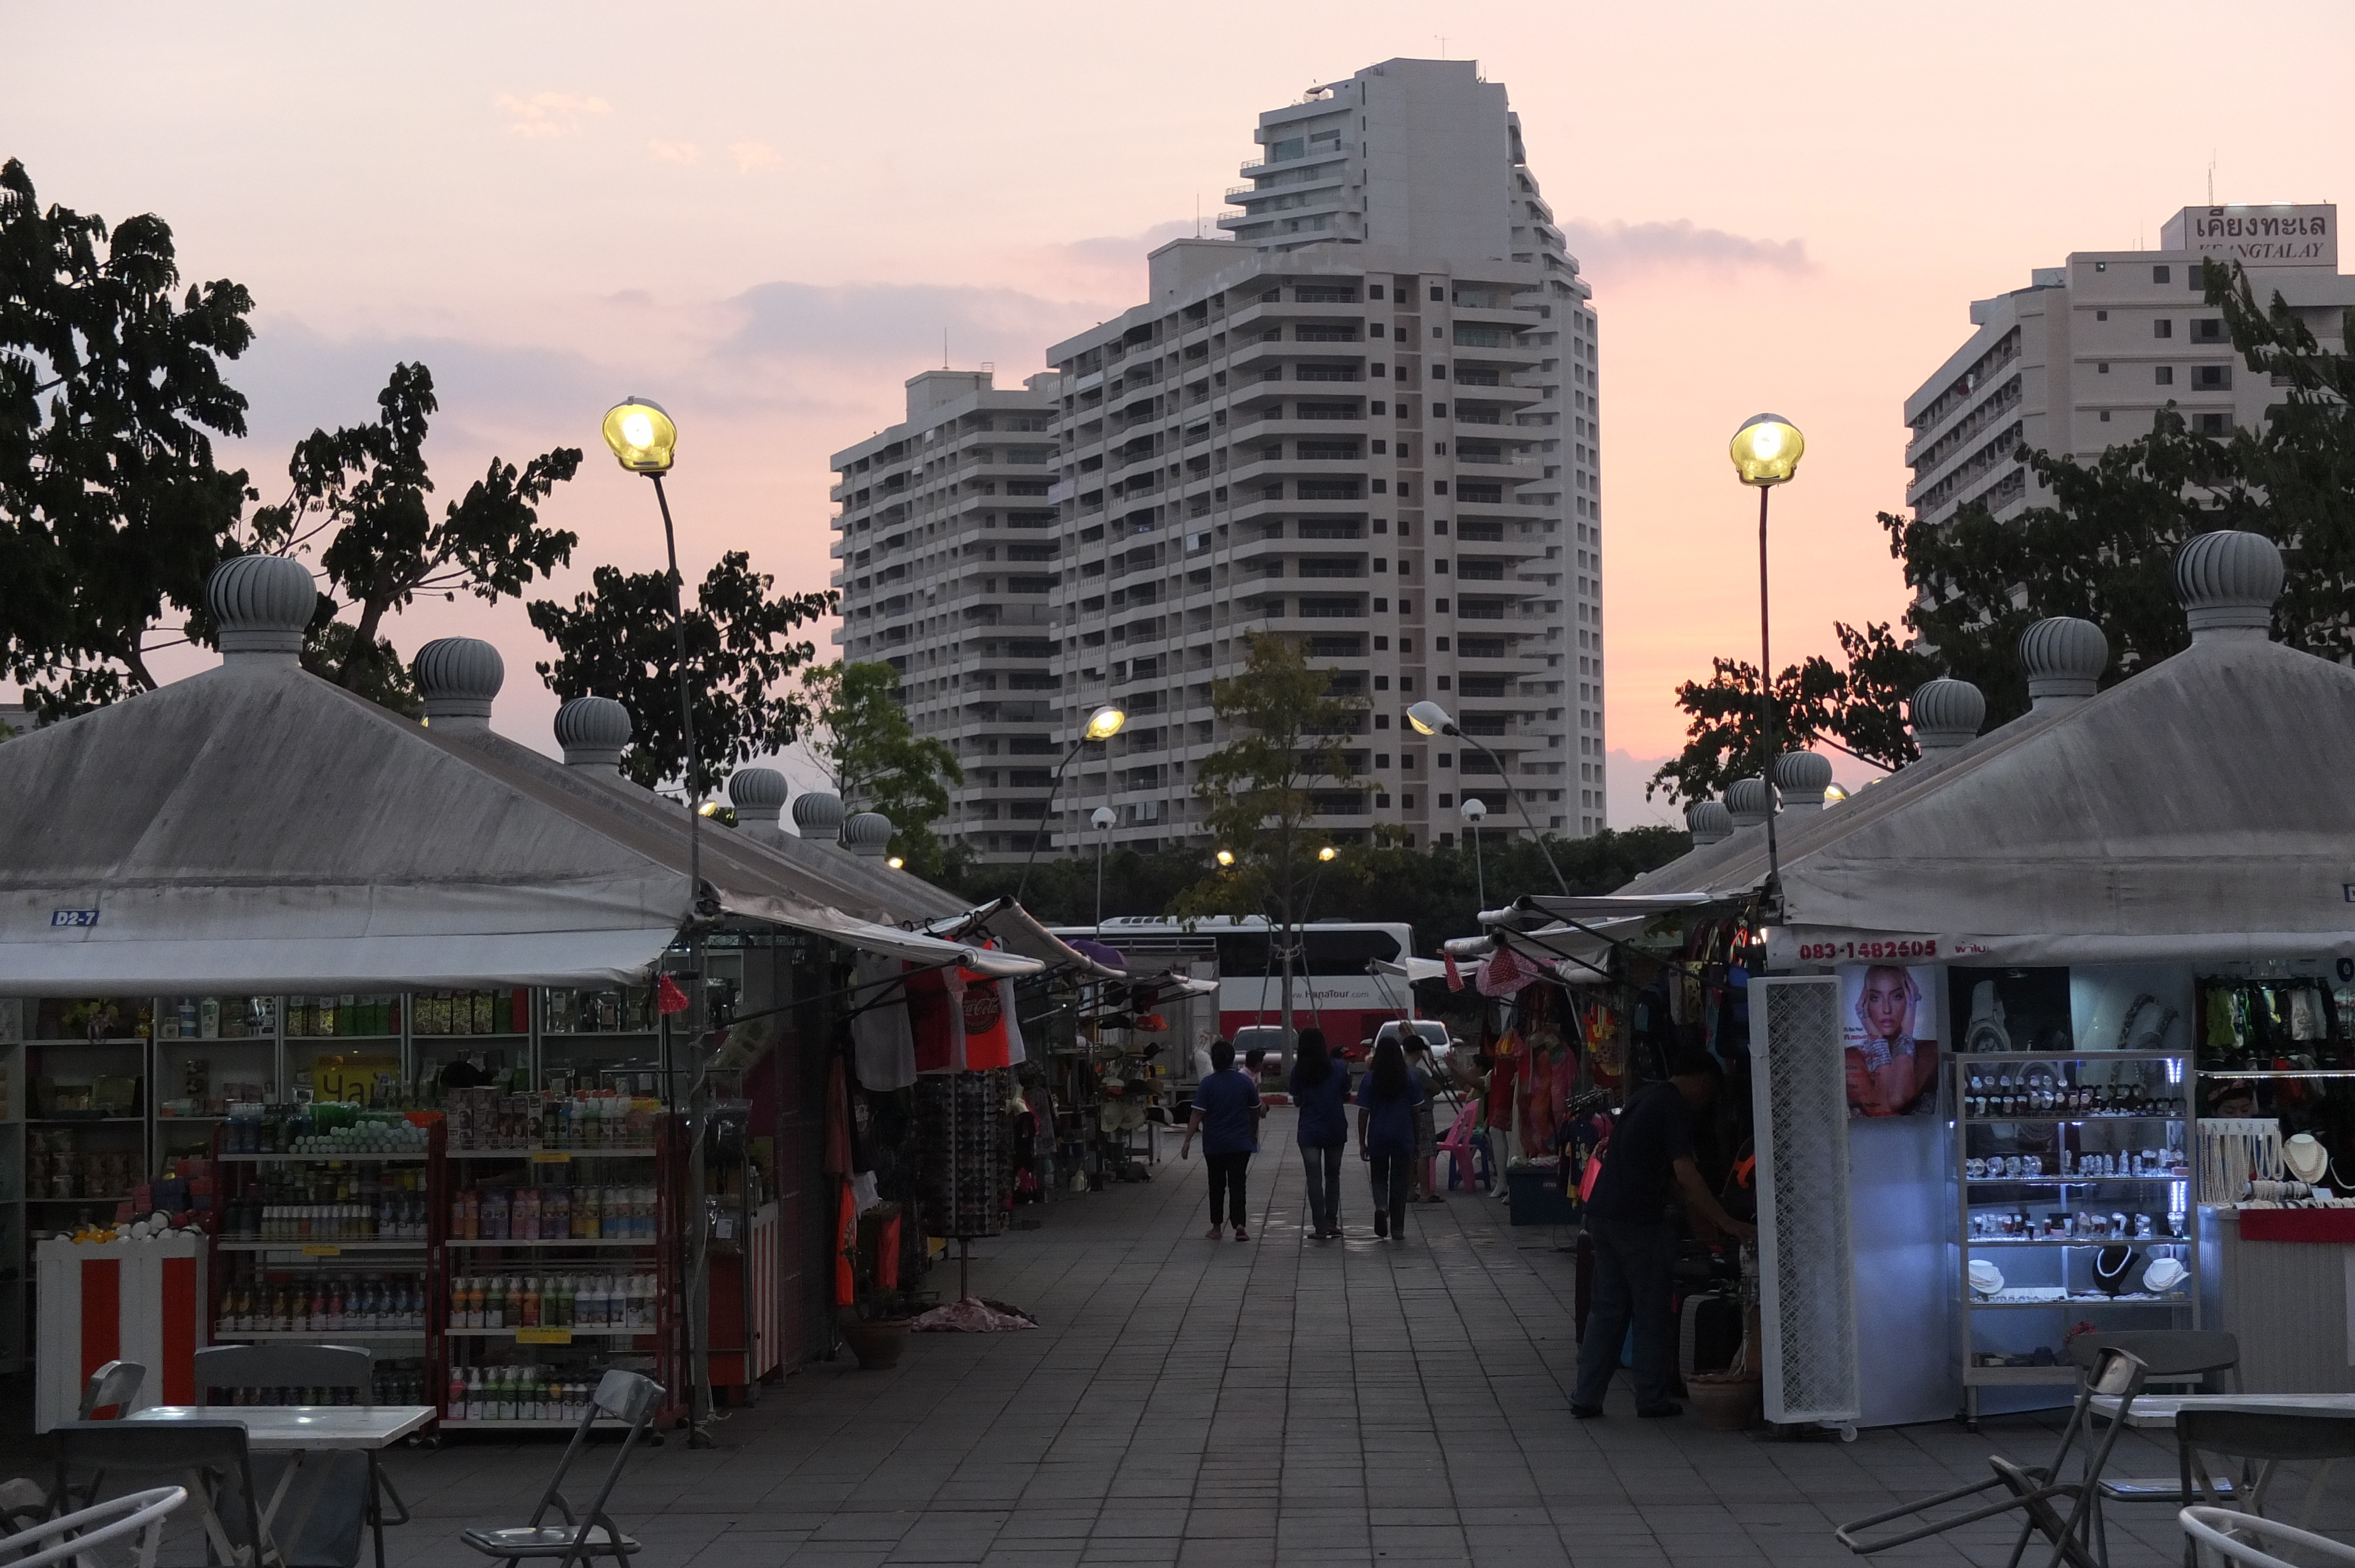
(1650, 1157)
(1226, 1113)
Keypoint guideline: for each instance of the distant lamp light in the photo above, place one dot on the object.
(896, 863)
(1106, 722)
(642, 434)
(708, 809)
(1102, 817)
(1474, 809)
(1430, 719)
(1767, 449)
(1328, 853)
(1834, 794)
(1227, 857)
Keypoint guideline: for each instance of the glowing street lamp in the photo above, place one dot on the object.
(1428, 717)
(645, 440)
(1766, 452)
(1227, 859)
(1474, 809)
(1102, 726)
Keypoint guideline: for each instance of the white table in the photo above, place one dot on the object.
(2160, 1409)
(297, 1430)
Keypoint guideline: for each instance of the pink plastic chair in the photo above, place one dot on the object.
(1458, 1146)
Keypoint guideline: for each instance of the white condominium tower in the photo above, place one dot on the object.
(1367, 422)
(2086, 354)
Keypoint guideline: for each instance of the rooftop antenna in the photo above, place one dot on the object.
(945, 349)
(1197, 215)
(1443, 45)
(2212, 179)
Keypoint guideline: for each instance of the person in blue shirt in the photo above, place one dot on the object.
(1320, 1087)
(1387, 1102)
(1226, 1115)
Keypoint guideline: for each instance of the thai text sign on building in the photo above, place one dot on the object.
(2258, 236)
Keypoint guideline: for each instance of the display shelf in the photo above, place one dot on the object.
(403, 1336)
(2160, 1122)
(85, 1121)
(555, 1155)
(2278, 1073)
(322, 1248)
(117, 1198)
(581, 1241)
(603, 1423)
(316, 1159)
(577, 1333)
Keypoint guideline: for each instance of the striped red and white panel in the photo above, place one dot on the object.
(135, 1301)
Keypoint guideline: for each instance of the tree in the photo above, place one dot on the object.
(878, 761)
(110, 506)
(2103, 550)
(358, 495)
(1260, 785)
(617, 640)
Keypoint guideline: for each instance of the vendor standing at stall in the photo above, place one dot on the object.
(1649, 1160)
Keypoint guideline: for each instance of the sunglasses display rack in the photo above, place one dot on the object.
(2073, 1176)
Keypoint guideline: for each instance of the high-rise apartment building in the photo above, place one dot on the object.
(1369, 421)
(947, 546)
(2090, 351)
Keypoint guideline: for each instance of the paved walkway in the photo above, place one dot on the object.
(1280, 1402)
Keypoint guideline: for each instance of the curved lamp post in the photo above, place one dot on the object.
(645, 440)
(1766, 452)
(1101, 818)
(1428, 717)
(1474, 809)
(1102, 726)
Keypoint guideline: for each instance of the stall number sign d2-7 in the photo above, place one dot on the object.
(73, 916)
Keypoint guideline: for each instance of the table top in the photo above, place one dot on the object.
(281, 1427)
(2160, 1409)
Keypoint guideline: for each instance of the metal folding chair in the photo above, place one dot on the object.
(331, 1369)
(621, 1396)
(2272, 1439)
(2173, 1355)
(2034, 1492)
(2242, 1538)
(112, 1386)
(211, 1454)
(72, 1540)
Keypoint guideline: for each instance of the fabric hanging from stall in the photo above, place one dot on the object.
(936, 1016)
(879, 1025)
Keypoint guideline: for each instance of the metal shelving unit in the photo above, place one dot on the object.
(2041, 1124)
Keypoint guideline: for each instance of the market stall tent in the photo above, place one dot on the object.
(256, 829)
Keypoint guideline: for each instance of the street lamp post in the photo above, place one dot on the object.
(1429, 719)
(1766, 452)
(1102, 726)
(1474, 809)
(645, 440)
(1102, 817)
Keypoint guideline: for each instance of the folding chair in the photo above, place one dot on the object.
(2034, 1492)
(2235, 1537)
(329, 1535)
(112, 1386)
(2272, 1439)
(69, 1542)
(2173, 1355)
(623, 1396)
(211, 1454)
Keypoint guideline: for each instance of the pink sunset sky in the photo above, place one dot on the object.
(767, 218)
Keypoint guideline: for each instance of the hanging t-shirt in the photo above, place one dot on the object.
(879, 1031)
(936, 1016)
(987, 1041)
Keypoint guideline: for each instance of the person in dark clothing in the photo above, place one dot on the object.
(1320, 1087)
(1387, 1102)
(1649, 1158)
(1226, 1114)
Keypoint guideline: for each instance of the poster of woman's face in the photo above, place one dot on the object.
(1889, 1026)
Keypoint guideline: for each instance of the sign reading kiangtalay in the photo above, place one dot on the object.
(2258, 236)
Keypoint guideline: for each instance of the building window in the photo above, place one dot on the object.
(2101, 315)
(2105, 416)
(1439, 411)
(2207, 329)
(2215, 425)
(1439, 607)
(2211, 378)
(1442, 683)
(1439, 373)
(2160, 275)
(2101, 266)
(1438, 294)
(1373, 290)
(2102, 366)
(2164, 375)
(2162, 328)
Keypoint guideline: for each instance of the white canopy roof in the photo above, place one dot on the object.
(2200, 810)
(255, 829)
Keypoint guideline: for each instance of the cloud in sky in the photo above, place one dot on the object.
(753, 156)
(1617, 248)
(899, 323)
(674, 153)
(549, 115)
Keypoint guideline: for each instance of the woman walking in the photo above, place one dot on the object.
(1226, 1113)
(1320, 1087)
(1387, 1101)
